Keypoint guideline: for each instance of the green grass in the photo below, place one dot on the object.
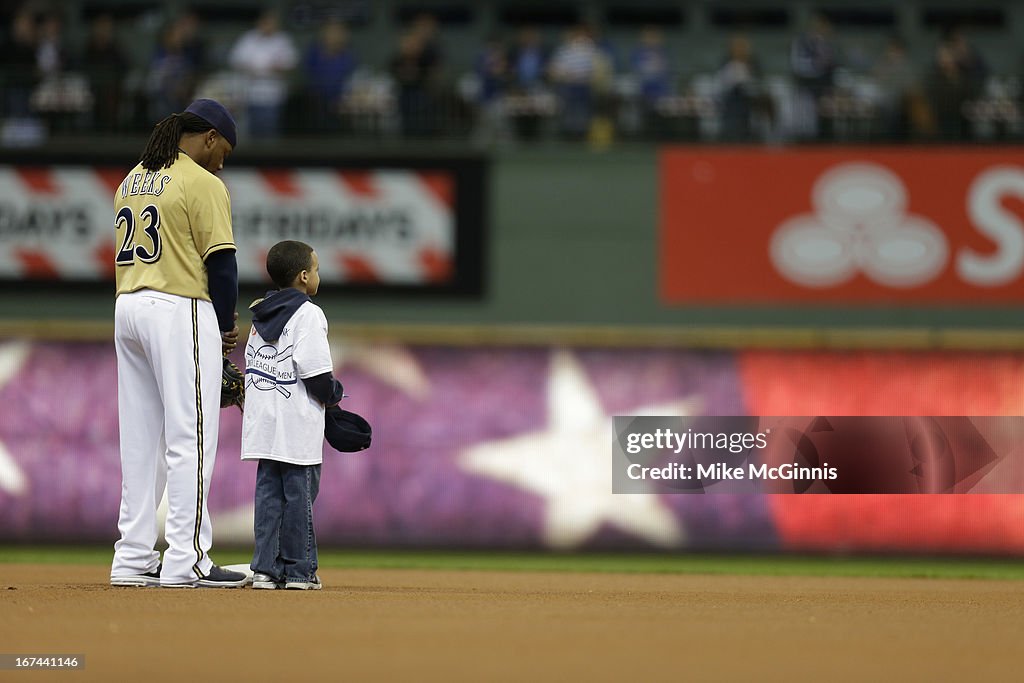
(750, 565)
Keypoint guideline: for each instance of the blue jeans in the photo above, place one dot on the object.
(285, 540)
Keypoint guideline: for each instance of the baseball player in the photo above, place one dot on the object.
(177, 286)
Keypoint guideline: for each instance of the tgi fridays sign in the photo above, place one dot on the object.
(385, 226)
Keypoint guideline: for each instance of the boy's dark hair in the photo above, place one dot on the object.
(286, 260)
(162, 148)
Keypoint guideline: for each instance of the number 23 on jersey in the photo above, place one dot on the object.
(149, 220)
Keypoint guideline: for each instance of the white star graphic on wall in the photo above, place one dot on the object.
(569, 465)
(393, 365)
(12, 357)
(235, 525)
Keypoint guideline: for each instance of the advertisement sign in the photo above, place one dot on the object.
(842, 226)
(372, 227)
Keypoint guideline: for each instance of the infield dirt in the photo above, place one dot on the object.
(407, 625)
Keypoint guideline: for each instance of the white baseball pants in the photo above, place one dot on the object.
(168, 400)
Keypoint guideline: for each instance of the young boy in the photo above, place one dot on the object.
(288, 385)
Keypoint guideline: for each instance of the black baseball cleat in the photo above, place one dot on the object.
(222, 578)
(147, 580)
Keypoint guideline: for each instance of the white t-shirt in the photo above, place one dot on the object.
(281, 421)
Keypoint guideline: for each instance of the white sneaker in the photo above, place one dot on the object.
(264, 581)
(313, 585)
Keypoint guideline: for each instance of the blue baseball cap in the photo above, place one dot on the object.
(214, 113)
(346, 431)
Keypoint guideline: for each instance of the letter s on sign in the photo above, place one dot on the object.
(995, 222)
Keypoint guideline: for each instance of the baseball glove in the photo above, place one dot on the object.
(232, 386)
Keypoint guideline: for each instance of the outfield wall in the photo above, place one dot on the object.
(675, 238)
(509, 447)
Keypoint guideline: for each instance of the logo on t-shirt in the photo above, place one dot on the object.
(266, 369)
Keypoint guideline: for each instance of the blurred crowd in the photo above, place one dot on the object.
(520, 87)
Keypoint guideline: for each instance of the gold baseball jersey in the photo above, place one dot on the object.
(167, 222)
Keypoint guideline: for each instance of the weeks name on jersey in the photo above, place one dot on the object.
(150, 182)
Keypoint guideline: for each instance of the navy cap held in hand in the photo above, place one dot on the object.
(346, 431)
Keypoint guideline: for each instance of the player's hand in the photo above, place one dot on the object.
(229, 340)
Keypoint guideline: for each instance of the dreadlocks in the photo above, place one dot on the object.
(162, 148)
